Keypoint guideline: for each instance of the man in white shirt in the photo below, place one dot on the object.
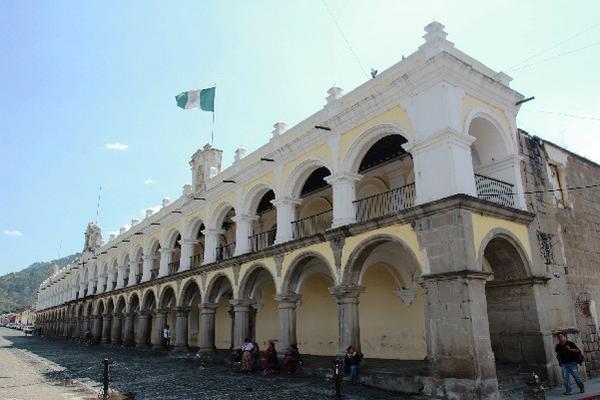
(167, 336)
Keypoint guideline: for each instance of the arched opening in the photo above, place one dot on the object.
(138, 266)
(175, 261)
(512, 311)
(316, 313)
(387, 184)
(259, 287)
(155, 257)
(264, 229)
(168, 302)
(120, 311)
(220, 293)
(191, 300)
(492, 162)
(226, 247)
(198, 251)
(126, 270)
(132, 337)
(314, 212)
(146, 329)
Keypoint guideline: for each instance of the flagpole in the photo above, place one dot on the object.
(212, 132)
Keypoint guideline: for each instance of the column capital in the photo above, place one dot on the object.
(188, 241)
(241, 304)
(285, 200)
(444, 136)
(212, 231)
(161, 311)
(182, 310)
(166, 250)
(207, 308)
(454, 275)
(343, 177)
(287, 300)
(347, 293)
(242, 218)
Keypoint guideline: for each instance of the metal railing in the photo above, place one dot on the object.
(495, 190)
(262, 240)
(226, 251)
(312, 225)
(196, 260)
(173, 267)
(125, 281)
(386, 203)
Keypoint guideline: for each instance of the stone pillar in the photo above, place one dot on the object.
(348, 324)
(443, 166)
(165, 259)
(344, 194)
(187, 251)
(97, 328)
(207, 326)
(115, 334)
(106, 322)
(90, 290)
(143, 330)
(133, 268)
(120, 277)
(110, 280)
(241, 322)
(181, 329)
(147, 268)
(82, 290)
(85, 325)
(160, 320)
(286, 213)
(457, 331)
(101, 284)
(243, 231)
(128, 334)
(287, 305)
(211, 241)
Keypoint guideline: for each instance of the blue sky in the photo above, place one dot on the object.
(76, 76)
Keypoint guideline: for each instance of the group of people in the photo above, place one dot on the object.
(250, 360)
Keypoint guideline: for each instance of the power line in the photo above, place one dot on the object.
(565, 115)
(554, 57)
(339, 28)
(592, 186)
(552, 47)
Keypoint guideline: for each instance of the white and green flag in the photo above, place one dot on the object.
(198, 99)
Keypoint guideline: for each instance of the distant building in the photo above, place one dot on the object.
(409, 218)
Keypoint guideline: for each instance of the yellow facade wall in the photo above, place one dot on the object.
(267, 318)
(471, 102)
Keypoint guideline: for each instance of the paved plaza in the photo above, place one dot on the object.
(42, 368)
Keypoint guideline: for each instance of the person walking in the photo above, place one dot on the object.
(247, 360)
(569, 356)
(352, 362)
(167, 336)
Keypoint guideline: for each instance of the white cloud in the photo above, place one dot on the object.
(13, 232)
(116, 146)
(148, 181)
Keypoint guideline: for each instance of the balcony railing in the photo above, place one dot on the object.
(196, 260)
(173, 267)
(153, 274)
(225, 252)
(312, 225)
(138, 278)
(386, 203)
(262, 240)
(495, 190)
(125, 281)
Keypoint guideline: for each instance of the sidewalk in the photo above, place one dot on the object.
(592, 391)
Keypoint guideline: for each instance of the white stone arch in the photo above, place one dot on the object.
(190, 230)
(138, 254)
(362, 257)
(219, 213)
(215, 288)
(182, 296)
(122, 257)
(248, 283)
(301, 172)
(168, 240)
(363, 142)
(302, 267)
(251, 199)
(513, 240)
(152, 247)
(145, 298)
(509, 145)
(163, 293)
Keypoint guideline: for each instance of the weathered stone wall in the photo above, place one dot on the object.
(568, 237)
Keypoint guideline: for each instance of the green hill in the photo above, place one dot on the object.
(18, 289)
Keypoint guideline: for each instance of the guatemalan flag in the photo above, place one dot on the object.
(197, 99)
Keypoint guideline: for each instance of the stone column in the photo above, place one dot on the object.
(165, 259)
(160, 320)
(241, 322)
(120, 277)
(128, 338)
(85, 325)
(90, 290)
(106, 322)
(187, 251)
(133, 268)
(110, 280)
(286, 213)
(243, 231)
(147, 268)
(211, 241)
(344, 194)
(143, 330)
(115, 334)
(207, 326)
(287, 305)
(82, 290)
(457, 332)
(181, 329)
(97, 329)
(101, 284)
(348, 327)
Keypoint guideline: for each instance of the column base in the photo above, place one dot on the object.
(105, 341)
(180, 349)
(157, 347)
(115, 342)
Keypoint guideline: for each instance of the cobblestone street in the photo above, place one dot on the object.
(149, 374)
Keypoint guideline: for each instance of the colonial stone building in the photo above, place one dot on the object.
(409, 217)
